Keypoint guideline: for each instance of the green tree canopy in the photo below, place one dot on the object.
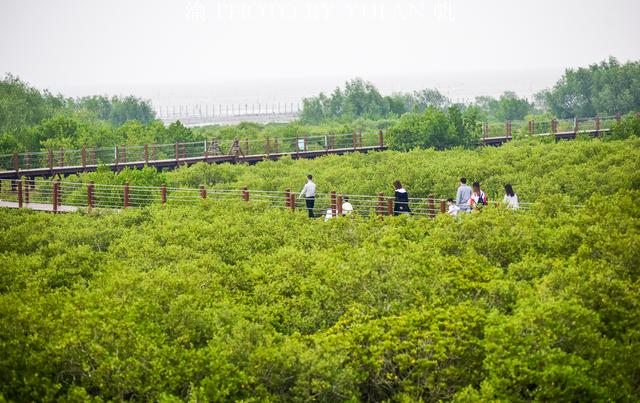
(605, 88)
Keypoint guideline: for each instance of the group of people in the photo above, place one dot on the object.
(468, 198)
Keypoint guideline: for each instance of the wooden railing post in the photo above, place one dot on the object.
(390, 206)
(56, 195)
(146, 154)
(380, 204)
(531, 127)
(334, 202)
(443, 207)
(339, 205)
(287, 198)
(245, 194)
(26, 190)
(126, 194)
(83, 157)
(432, 207)
(380, 138)
(16, 162)
(19, 185)
(203, 192)
(292, 203)
(163, 194)
(485, 132)
(597, 119)
(90, 195)
(554, 126)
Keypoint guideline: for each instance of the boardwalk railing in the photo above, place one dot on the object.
(182, 152)
(561, 128)
(59, 196)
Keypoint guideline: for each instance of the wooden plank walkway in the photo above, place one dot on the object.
(176, 162)
(39, 206)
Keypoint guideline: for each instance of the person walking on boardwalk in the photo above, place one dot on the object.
(510, 198)
(309, 193)
(401, 206)
(478, 197)
(463, 195)
(235, 149)
(214, 147)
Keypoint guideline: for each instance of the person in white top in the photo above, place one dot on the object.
(347, 208)
(453, 208)
(309, 193)
(328, 215)
(510, 198)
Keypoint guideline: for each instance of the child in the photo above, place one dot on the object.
(347, 208)
(453, 208)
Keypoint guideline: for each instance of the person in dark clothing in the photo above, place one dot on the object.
(401, 206)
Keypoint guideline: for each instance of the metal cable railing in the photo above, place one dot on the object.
(121, 155)
(69, 196)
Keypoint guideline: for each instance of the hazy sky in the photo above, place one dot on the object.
(57, 43)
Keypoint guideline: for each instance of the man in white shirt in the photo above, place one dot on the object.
(309, 193)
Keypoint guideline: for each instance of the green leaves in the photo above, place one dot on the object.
(232, 302)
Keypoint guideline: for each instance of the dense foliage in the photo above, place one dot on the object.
(606, 88)
(116, 109)
(435, 128)
(570, 171)
(31, 120)
(228, 302)
(361, 99)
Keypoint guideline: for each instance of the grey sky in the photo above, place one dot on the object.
(57, 43)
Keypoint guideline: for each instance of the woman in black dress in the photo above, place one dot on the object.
(401, 205)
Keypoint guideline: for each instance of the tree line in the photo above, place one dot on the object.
(34, 120)
(604, 88)
(31, 119)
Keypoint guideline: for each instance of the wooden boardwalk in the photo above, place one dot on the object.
(39, 206)
(171, 156)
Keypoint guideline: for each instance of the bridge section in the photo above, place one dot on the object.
(169, 156)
